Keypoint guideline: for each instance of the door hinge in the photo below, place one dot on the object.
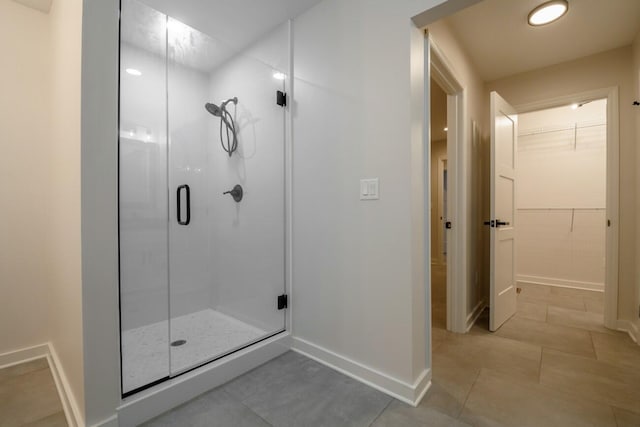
(608, 223)
(447, 225)
(282, 302)
(281, 98)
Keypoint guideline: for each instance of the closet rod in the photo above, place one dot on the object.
(561, 209)
(573, 128)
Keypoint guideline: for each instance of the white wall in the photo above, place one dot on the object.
(247, 238)
(353, 283)
(65, 276)
(562, 169)
(635, 76)
(607, 69)
(475, 279)
(24, 176)
(41, 129)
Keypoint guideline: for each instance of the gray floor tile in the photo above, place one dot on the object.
(440, 399)
(591, 379)
(553, 299)
(577, 319)
(563, 338)
(626, 418)
(401, 414)
(213, 409)
(533, 290)
(617, 348)
(577, 293)
(281, 371)
(519, 359)
(314, 396)
(498, 400)
(56, 420)
(594, 306)
(439, 336)
(532, 311)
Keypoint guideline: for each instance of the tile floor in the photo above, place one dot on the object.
(552, 364)
(208, 333)
(28, 396)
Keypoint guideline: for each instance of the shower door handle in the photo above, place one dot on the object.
(179, 201)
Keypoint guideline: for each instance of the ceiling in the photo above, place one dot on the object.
(237, 22)
(202, 34)
(497, 38)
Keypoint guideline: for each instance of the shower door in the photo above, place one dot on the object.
(201, 273)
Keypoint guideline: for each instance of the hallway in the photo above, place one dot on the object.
(553, 363)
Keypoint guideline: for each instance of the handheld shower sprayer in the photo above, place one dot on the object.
(230, 143)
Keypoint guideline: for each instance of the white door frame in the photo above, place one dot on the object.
(441, 162)
(613, 186)
(439, 68)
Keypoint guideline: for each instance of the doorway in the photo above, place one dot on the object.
(561, 198)
(438, 204)
(565, 212)
(561, 211)
(445, 237)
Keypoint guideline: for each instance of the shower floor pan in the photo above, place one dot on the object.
(147, 355)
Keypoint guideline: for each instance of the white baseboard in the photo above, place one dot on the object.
(632, 328)
(562, 283)
(475, 313)
(69, 404)
(23, 355)
(408, 393)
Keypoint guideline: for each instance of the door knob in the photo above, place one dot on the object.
(235, 192)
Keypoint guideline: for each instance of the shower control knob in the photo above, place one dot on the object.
(236, 192)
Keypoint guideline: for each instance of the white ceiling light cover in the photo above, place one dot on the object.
(548, 12)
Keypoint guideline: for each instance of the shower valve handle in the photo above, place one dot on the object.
(236, 192)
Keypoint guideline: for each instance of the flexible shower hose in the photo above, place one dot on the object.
(230, 128)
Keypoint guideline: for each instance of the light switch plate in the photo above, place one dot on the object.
(369, 189)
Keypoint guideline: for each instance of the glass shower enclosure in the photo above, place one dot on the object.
(202, 266)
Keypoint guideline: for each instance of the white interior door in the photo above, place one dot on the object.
(504, 144)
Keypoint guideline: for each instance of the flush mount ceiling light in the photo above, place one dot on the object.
(548, 12)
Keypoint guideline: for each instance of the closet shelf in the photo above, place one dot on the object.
(573, 127)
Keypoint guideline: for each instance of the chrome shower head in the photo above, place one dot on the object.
(226, 120)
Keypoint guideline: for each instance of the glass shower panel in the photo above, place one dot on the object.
(226, 256)
(143, 203)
